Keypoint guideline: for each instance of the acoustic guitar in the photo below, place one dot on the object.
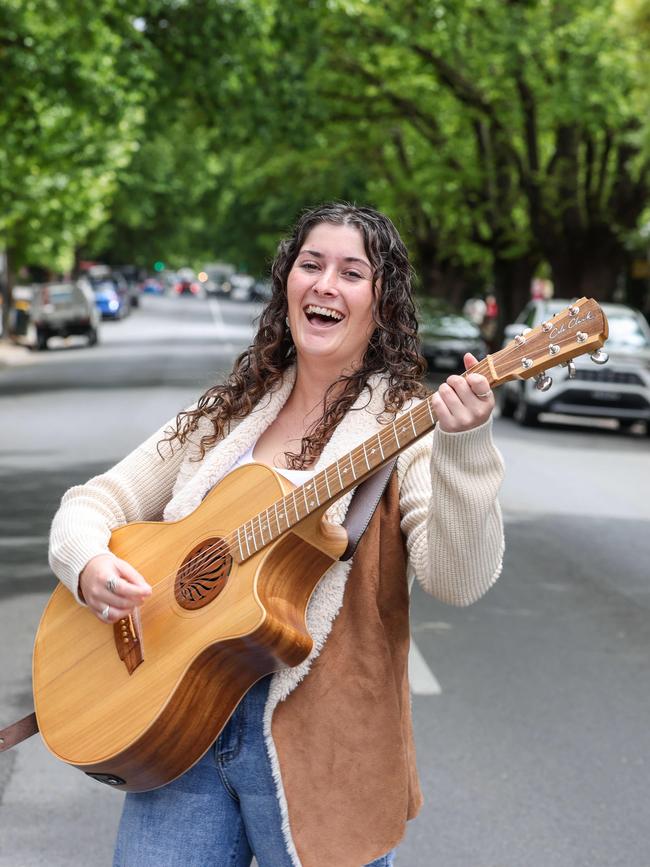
(135, 704)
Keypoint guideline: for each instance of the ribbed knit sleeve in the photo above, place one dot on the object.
(135, 489)
(450, 513)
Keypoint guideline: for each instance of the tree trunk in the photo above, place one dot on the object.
(512, 281)
(441, 278)
(7, 285)
(592, 264)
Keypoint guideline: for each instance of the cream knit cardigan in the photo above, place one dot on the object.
(450, 515)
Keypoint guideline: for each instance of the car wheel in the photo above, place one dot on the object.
(525, 413)
(93, 337)
(507, 405)
(41, 339)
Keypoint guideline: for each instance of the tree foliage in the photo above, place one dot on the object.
(501, 135)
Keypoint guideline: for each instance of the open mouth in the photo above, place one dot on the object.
(323, 316)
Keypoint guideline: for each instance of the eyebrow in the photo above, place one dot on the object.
(345, 258)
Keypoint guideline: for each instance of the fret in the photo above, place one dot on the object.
(396, 435)
(380, 446)
(259, 521)
(415, 433)
(255, 545)
(327, 484)
(315, 487)
(352, 466)
(433, 418)
(248, 550)
(268, 524)
(304, 496)
(295, 505)
(241, 550)
(277, 517)
(338, 470)
(365, 454)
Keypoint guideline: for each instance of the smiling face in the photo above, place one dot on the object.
(329, 296)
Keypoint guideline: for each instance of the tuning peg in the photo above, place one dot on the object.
(571, 369)
(599, 357)
(543, 382)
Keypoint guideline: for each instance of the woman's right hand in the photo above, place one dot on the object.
(112, 588)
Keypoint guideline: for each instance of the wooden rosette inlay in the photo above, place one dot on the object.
(203, 574)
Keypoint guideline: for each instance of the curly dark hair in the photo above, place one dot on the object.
(393, 348)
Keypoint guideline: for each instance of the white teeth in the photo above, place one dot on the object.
(324, 311)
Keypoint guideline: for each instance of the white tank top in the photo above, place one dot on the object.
(297, 477)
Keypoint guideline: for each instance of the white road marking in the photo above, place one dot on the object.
(215, 310)
(422, 679)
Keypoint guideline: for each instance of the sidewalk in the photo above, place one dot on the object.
(13, 355)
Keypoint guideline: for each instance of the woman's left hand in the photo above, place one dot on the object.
(463, 403)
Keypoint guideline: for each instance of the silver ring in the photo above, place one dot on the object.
(484, 394)
(111, 584)
(105, 612)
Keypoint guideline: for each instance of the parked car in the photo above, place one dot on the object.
(446, 336)
(241, 287)
(619, 389)
(131, 275)
(152, 286)
(218, 282)
(111, 290)
(262, 290)
(187, 283)
(61, 310)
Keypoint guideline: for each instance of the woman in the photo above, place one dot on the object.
(316, 765)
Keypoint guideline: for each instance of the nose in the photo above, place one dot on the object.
(326, 283)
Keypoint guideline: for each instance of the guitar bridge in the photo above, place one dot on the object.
(128, 640)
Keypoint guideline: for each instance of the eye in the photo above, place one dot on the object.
(309, 266)
(354, 274)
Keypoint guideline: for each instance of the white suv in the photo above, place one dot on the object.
(619, 389)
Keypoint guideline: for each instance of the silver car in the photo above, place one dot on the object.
(620, 389)
(61, 310)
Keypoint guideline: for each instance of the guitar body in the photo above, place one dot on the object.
(206, 638)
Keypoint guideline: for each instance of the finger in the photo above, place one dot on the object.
(133, 577)
(461, 388)
(115, 613)
(451, 398)
(479, 386)
(445, 418)
(469, 360)
(121, 589)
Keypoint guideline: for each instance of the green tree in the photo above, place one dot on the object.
(73, 87)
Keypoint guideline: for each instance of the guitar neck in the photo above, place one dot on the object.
(339, 477)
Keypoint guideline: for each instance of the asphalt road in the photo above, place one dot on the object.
(535, 750)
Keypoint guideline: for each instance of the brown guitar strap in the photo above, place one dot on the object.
(17, 732)
(362, 506)
(360, 511)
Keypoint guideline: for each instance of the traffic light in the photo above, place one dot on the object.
(158, 266)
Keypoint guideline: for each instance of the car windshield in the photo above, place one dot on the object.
(59, 294)
(626, 331)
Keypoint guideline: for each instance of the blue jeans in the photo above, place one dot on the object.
(220, 813)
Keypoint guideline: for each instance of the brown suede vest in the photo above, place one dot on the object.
(344, 736)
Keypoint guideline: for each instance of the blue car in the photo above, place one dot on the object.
(111, 296)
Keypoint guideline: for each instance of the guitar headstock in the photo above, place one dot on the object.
(580, 328)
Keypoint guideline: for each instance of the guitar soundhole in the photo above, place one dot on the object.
(203, 574)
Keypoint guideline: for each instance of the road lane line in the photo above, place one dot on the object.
(422, 679)
(215, 310)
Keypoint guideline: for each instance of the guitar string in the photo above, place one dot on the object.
(233, 540)
(227, 543)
